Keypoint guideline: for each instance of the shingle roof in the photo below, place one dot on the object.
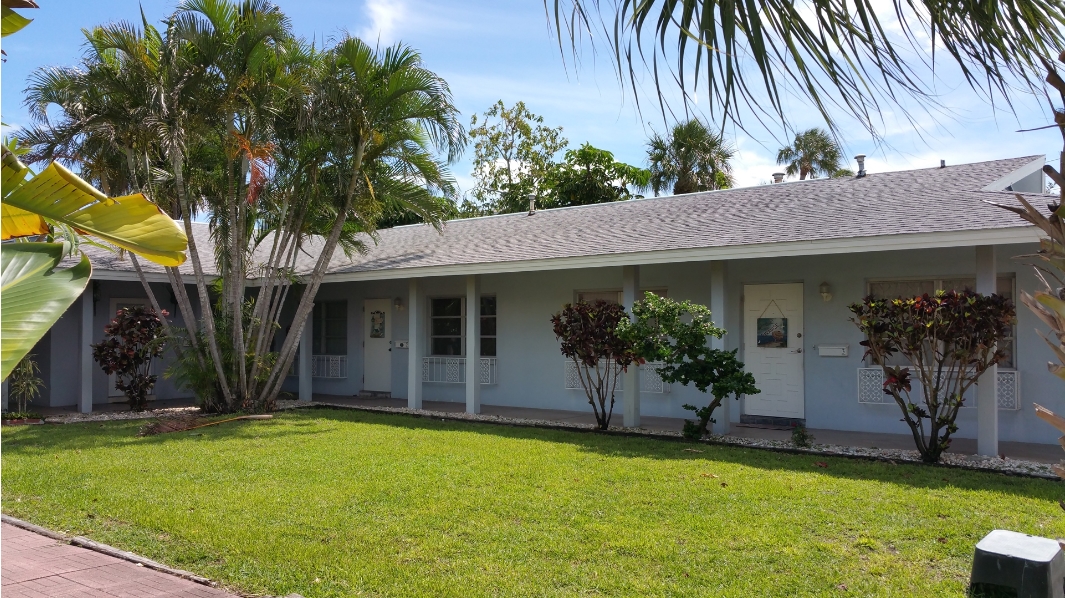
(933, 200)
(891, 203)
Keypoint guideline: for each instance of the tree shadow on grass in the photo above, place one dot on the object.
(308, 423)
(637, 447)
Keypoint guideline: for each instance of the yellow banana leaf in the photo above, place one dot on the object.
(36, 292)
(20, 223)
(130, 222)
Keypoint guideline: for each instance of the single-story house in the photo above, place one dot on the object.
(404, 319)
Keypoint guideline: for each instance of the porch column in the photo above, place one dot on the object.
(85, 395)
(717, 312)
(416, 334)
(473, 344)
(630, 291)
(306, 359)
(987, 386)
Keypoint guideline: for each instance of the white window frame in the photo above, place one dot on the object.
(937, 284)
(319, 347)
(462, 331)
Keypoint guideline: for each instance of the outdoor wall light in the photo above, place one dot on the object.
(826, 292)
(398, 304)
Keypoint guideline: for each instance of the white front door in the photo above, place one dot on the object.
(377, 345)
(773, 352)
(113, 394)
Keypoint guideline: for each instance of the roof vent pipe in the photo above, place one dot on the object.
(778, 177)
(532, 206)
(861, 165)
(942, 163)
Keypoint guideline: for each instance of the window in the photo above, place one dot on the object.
(330, 332)
(911, 288)
(488, 326)
(447, 326)
(612, 296)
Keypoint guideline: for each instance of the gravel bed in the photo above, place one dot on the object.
(77, 418)
(973, 462)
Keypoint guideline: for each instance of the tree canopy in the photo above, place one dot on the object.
(691, 157)
(813, 153)
(285, 147)
(841, 56)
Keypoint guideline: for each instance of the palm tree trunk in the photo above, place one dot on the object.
(177, 161)
(288, 349)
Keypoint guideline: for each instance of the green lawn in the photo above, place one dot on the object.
(344, 503)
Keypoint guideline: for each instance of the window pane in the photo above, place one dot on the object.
(893, 289)
(447, 307)
(488, 306)
(447, 326)
(336, 309)
(336, 346)
(959, 284)
(1004, 287)
(1006, 347)
(488, 326)
(447, 346)
(488, 347)
(592, 297)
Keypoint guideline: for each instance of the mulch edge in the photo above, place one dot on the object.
(106, 549)
(671, 437)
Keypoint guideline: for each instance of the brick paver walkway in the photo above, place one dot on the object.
(38, 566)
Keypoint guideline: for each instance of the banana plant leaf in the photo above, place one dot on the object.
(16, 223)
(12, 22)
(35, 293)
(130, 222)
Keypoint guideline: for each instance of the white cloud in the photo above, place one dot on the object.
(385, 16)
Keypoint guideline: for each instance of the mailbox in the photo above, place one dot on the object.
(832, 350)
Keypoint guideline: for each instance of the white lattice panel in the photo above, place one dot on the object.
(1009, 390)
(871, 386)
(871, 389)
(650, 381)
(323, 366)
(452, 370)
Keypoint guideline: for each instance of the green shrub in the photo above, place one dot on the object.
(24, 385)
(676, 333)
(800, 436)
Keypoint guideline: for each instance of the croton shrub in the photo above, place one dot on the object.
(949, 339)
(132, 341)
(588, 334)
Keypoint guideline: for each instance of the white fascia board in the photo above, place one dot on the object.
(131, 276)
(1029, 168)
(1001, 236)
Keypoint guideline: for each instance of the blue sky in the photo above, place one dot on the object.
(505, 50)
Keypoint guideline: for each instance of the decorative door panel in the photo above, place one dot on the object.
(377, 345)
(773, 349)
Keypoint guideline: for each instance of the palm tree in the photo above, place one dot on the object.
(813, 153)
(280, 144)
(842, 57)
(690, 158)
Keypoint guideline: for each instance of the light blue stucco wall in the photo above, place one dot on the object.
(831, 382)
(530, 370)
(63, 343)
(530, 367)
